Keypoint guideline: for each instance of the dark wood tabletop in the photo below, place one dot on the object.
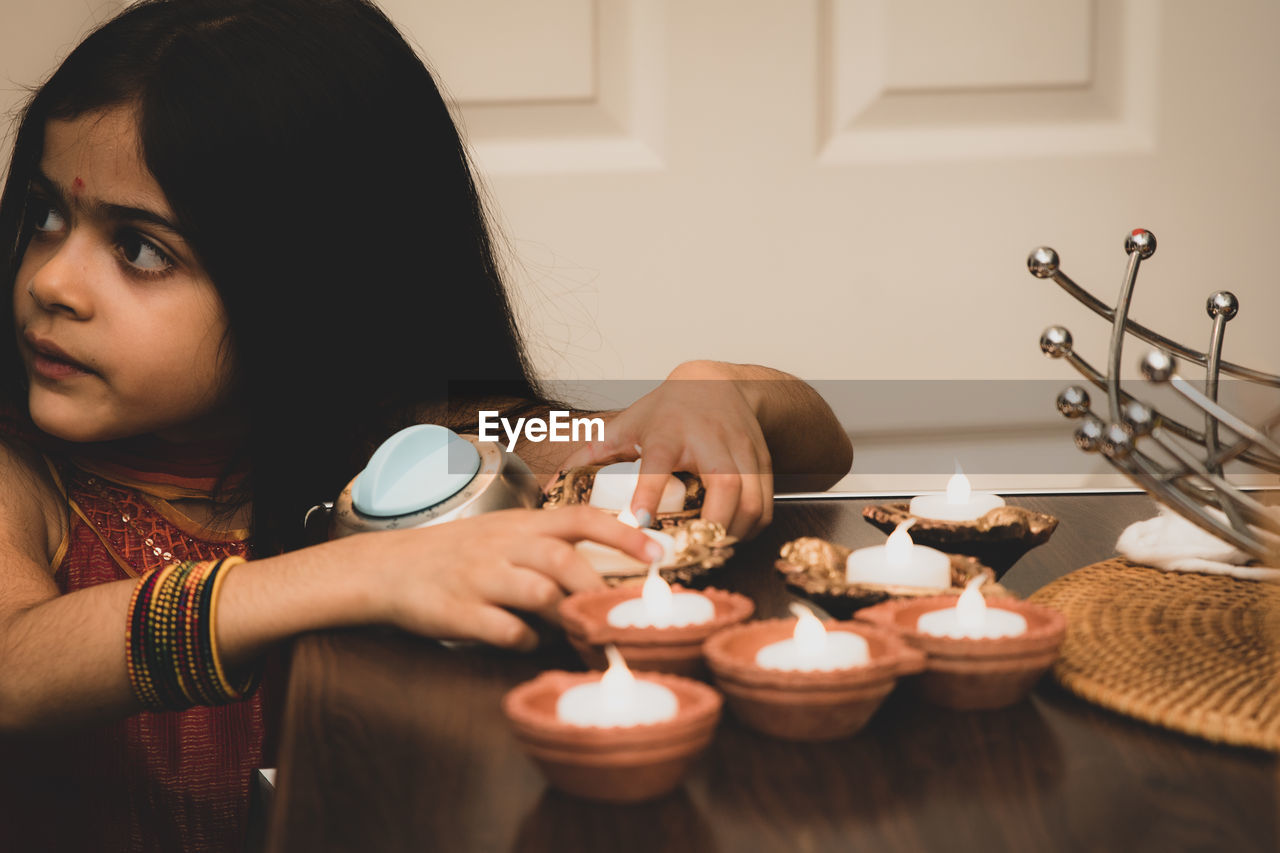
(397, 743)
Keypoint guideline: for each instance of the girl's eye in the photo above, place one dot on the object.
(44, 218)
(141, 253)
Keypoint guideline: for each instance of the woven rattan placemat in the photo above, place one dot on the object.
(1192, 652)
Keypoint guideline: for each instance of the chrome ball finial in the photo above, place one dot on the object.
(1055, 342)
(1138, 418)
(1073, 402)
(1186, 466)
(1043, 262)
(1142, 241)
(1089, 433)
(1116, 442)
(1157, 366)
(1222, 304)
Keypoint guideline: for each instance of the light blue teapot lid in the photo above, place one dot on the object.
(416, 468)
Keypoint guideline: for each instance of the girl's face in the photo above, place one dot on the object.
(119, 327)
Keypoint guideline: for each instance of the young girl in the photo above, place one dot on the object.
(243, 246)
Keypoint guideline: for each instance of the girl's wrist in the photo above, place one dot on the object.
(277, 598)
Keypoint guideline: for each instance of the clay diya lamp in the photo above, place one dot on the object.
(816, 569)
(998, 537)
(656, 627)
(807, 704)
(610, 487)
(965, 669)
(606, 761)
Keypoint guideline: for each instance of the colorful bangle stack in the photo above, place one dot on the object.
(170, 646)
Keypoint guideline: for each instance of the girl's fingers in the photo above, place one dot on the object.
(591, 453)
(557, 560)
(656, 464)
(619, 447)
(723, 480)
(518, 559)
(523, 589)
(766, 493)
(497, 627)
(575, 523)
(751, 498)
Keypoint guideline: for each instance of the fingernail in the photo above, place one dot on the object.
(644, 518)
(653, 551)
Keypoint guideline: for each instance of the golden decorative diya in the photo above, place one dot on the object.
(573, 486)
(815, 568)
(998, 538)
(701, 546)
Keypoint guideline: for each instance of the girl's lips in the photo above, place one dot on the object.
(49, 361)
(55, 368)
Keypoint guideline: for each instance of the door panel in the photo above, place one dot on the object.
(848, 189)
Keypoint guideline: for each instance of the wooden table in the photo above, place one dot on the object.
(396, 743)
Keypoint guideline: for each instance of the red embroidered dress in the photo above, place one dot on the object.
(154, 781)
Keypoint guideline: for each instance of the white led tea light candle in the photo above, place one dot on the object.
(617, 699)
(659, 607)
(971, 618)
(614, 485)
(901, 562)
(812, 648)
(959, 503)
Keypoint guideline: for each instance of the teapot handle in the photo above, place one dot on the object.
(316, 522)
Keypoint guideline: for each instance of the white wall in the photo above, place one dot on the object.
(848, 189)
(34, 36)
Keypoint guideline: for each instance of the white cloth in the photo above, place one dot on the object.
(1172, 543)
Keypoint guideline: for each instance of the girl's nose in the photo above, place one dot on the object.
(61, 282)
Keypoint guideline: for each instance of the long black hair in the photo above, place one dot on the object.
(320, 180)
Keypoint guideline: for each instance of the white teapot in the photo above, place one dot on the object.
(428, 474)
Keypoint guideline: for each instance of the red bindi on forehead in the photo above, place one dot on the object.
(77, 186)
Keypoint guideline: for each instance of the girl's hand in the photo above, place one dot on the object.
(460, 580)
(701, 421)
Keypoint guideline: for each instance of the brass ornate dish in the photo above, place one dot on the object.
(700, 547)
(998, 539)
(815, 568)
(574, 487)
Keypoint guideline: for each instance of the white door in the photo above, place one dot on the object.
(848, 190)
